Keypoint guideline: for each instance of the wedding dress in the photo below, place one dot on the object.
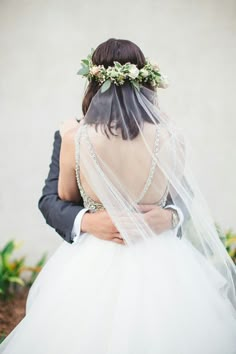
(96, 296)
(156, 294)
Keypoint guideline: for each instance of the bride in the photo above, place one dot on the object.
(152, 293)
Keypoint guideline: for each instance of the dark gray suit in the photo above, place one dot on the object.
(58, 213)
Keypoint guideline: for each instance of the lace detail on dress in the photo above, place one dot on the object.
(93, 205)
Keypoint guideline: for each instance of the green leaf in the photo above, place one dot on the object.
(117, 64)
(83, 71)
(2, 337)
(42, 260)
(20, 262)
(7, 250)
(1, 265)
(85, 62)
(136, 85)
(16, 280)
(114, 74)
(230, 241)
(106, 85)
(91, 52)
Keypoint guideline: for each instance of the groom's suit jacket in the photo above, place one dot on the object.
(58, 213)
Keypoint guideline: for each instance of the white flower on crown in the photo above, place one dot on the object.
(153, 83)
(94, 70)
(144, 72)
(164, 82)
(133, 71)
(154, 64)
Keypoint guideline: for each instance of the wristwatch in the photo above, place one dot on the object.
(174, 218)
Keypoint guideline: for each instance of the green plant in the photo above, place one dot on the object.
(2, 337)
(36, 269)
(230, 244)
(11, 270)
(229, 240)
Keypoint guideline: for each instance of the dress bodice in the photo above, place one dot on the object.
(94, 205)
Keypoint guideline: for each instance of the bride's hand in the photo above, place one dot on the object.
(158, 219)
(100, 225)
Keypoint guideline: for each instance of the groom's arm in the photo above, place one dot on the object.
(180, 206)
(70, 220)
(180, 215)
(59, 214)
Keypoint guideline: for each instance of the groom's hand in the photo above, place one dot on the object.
(100, 225)
(157, 218)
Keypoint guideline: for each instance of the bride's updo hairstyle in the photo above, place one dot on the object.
(106, 53)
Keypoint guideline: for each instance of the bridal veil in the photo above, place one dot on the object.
(139, 156)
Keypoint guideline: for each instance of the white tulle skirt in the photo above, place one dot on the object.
(100, 297)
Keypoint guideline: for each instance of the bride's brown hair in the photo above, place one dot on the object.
(120, 50)
(106, 53)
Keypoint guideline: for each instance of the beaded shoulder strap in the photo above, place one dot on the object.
(152, 168)
(88, 201)
(77, 158)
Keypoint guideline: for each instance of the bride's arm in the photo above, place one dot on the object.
(67, 184)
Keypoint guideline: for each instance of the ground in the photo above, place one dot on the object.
(12, 311)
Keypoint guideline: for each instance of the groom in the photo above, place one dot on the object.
(70, 220)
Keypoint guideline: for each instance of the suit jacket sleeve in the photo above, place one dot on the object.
(180, 205)
(58, 214)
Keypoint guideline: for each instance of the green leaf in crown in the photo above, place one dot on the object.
(106, 85)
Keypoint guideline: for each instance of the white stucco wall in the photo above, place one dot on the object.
(41, 44)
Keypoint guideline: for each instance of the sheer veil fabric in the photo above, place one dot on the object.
(113, 170)
(156, 293)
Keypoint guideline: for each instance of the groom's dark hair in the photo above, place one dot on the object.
(106, 53)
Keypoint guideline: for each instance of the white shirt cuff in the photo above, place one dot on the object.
(76, 230)
(180, 214)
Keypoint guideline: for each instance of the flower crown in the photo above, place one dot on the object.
(118, 73)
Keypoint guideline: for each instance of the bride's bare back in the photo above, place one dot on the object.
(127, 162)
